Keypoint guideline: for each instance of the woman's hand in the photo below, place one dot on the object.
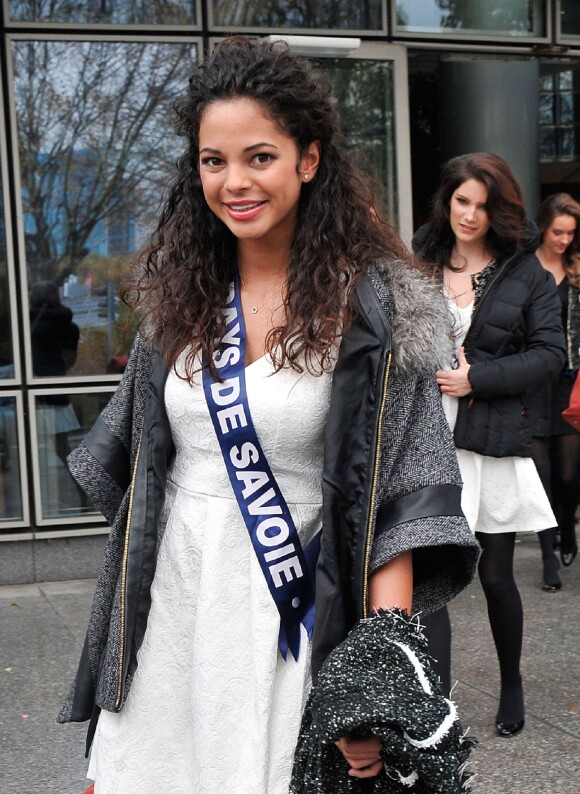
(362, 755)
(455, 382)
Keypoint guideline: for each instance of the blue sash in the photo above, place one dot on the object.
(287, 568)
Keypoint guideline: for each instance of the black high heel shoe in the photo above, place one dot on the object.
(568, 557)
(511, 705)
(509, 728)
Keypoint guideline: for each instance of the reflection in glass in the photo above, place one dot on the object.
(10, 484)
(120, 12)
(62, 421)
(566, 109)
(567, 143)
(495, 17)
(546, 108)
(570, 16)
(364, 91)
(53, 334)
(331, 14)
(96, 151)
(566, 80)
(547, 142)
(6, 352)
(558, 113)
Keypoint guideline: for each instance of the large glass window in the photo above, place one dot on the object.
(62, 421)
(466, 17)
(11, 505)
(6, 349)
(570, 18)
(95, 122)
(559, 112)
(329, 14)
(120, 12)
(364, 91)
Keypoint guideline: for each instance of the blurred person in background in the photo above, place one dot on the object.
(556, 444)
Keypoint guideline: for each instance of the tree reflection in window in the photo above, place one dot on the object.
(94, 129)
(331, 14)
(119, 12)
(6, 352)
(364, 92)
(509, 17)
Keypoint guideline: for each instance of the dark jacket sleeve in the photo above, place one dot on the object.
(543, 344)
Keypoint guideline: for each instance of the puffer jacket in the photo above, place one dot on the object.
(390, 483)
(514, 345)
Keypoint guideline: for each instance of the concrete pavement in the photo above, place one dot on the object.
(42, 628)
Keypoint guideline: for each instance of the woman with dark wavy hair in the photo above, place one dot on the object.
(282, 380)
(557, 443)
(508, 341)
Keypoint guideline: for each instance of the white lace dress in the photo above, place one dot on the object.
(213, 708)
(499, 494)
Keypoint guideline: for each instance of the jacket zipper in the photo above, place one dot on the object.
(373, 494)
(124, 582)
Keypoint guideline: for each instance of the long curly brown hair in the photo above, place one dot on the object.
(508, 231)
(182, 278)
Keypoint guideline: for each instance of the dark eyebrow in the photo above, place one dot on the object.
(463, 196)
(259, 145)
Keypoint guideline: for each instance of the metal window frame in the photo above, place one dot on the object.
(65, 380)
(41, 521)
(9, 524)
(454, 35)
(109, 27)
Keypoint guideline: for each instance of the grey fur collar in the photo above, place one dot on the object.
(422, 336)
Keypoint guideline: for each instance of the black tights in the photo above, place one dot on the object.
(506, 618)
(557, 459)
(437, 627)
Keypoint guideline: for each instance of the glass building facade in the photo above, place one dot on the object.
(86, 96)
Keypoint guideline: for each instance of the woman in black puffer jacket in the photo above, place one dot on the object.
(509, 341)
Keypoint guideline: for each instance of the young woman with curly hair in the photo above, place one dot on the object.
(509, 341)
(557, 443)
(280, 396)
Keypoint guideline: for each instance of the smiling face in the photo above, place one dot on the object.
(467, 212)
(559, 234)
(251, 171)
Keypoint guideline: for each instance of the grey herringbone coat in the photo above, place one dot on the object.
(391, 483)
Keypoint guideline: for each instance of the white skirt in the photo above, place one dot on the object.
(500, 494)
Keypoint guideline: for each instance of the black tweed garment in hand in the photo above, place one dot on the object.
(380, 680)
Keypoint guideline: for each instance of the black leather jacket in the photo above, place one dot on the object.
(515, 344)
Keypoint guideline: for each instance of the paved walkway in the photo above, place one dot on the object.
(42, 628)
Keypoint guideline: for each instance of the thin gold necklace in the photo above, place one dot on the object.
(454, 295)
(256, 309)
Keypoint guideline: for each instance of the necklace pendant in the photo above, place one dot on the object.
(254, 310)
